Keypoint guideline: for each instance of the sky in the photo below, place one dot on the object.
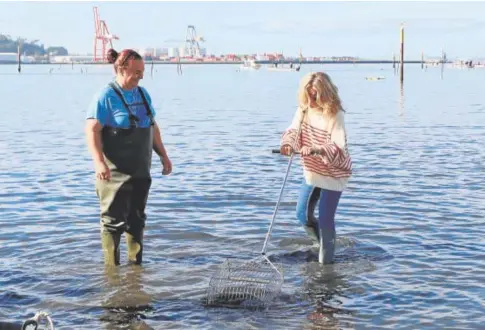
(325, 28)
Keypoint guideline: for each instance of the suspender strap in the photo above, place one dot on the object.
(133, 119)
(147, 106)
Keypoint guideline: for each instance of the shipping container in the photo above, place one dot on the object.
(8, 58)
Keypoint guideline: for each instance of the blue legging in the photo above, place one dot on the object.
(323, 228)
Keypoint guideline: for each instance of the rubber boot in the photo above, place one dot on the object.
(134, 244)
(110, 243)
(327, 247)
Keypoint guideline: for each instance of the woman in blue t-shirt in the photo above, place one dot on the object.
(121, 133)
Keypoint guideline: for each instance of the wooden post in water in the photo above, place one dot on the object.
(401, 100)
(422, 60)
(442, 62)
(401, 73)
(179, 66)
(393, 61)
(19, 61)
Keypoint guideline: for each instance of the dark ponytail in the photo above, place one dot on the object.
(112, 56)
(120, 60)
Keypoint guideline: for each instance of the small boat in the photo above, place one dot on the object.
(280, 67)
(250, 65)
(375, 78)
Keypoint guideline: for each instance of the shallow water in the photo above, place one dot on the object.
(410, 225)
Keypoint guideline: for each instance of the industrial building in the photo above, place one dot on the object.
(8, 57)
(12, 58)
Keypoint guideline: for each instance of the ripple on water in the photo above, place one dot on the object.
(409, 227)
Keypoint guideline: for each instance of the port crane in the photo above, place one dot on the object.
(191, 42)
(102, 38)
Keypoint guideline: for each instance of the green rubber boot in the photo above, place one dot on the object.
(110, 243)
(134, 244)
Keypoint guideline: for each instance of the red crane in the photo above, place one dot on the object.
(101, 38)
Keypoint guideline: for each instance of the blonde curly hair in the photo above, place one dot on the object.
(318, 91)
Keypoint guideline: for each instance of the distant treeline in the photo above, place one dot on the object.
(32, 48)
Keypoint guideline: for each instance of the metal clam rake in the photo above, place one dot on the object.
(253, 283)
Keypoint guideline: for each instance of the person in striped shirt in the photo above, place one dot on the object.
(318, 133)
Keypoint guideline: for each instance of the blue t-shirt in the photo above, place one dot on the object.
(108, 108)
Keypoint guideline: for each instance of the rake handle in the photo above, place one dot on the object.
(265, 245)
(277, 151)
(270, 229)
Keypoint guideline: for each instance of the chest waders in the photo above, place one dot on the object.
(128, 155)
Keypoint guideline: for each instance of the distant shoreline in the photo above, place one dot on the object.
(148, 62)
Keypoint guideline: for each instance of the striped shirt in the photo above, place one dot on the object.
(330, 170)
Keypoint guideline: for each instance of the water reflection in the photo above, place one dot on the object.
(126, 301)
(323, 285)
(401, 100)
